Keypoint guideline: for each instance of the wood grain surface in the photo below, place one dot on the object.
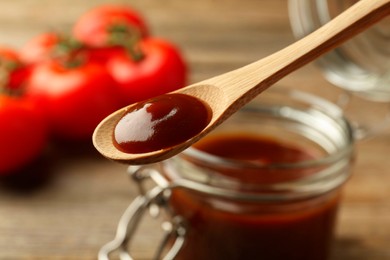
(67, 205)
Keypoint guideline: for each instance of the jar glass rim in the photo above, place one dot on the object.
(334, 111)
(202, 172)
(210, 159)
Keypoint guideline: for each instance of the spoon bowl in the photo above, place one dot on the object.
(103, 135)
(226, 93)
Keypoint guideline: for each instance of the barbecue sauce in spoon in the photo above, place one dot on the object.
(160, 123)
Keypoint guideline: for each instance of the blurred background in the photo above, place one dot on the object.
(66, 204)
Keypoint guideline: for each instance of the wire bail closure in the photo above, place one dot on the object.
(153, 200)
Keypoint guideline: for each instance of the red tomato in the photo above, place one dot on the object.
(76, 99)
(22, 133)
(161, 70)
(94, 28)
(39, 48)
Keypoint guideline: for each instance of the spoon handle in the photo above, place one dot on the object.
(258, 76)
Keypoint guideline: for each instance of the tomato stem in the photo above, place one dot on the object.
(65, 47)
(69, 52)
(127, 37)
(6, 68)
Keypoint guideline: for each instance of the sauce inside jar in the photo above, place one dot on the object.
(252, 148)
(224, 228)
(160, 123)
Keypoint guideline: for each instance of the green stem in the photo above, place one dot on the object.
(67, 51)
(6, 68)
(127, 37)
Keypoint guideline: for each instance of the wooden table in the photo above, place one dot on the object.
(69, 203)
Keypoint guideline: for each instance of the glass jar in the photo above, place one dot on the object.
(219, 208)
(362, 64)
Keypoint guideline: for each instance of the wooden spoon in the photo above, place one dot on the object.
(226, 93)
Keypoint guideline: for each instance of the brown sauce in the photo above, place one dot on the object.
(252, 148)
(160, 123)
